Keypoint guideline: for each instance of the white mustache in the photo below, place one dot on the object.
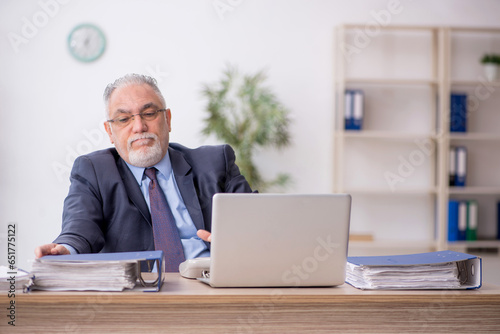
(145, 135)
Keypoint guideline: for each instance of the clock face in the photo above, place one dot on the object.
(86, 42)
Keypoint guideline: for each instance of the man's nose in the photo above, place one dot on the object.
(138, 124)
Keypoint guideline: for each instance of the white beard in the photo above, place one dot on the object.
(144, 156)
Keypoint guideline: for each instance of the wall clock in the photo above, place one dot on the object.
(86, 42)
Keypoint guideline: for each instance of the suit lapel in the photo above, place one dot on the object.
(133, 190)
(185, 183)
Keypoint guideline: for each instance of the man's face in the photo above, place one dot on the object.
(140, 143)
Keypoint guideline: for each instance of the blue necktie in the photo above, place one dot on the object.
(165, 232)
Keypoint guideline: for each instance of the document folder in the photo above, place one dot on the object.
(56, 268)
(435, 270)
(354, 109)
(458, 112)
(453, 220)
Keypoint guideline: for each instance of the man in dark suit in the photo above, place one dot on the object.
(108, 206)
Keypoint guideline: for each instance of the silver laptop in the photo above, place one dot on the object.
(279, 240)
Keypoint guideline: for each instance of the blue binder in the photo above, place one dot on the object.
(453, 220)
(354, 109)
(348, 109)
(469, 267)
(458, 112)
(149, 257)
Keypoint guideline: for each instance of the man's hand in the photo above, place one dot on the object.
(50, 249)
(204, 235)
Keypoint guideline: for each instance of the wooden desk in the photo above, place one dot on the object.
(188, 306)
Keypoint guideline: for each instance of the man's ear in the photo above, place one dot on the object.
(168, 116)
(107, 127)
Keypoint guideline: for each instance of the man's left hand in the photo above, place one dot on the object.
(204, 235)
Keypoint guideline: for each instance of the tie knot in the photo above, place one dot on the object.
(151, 173)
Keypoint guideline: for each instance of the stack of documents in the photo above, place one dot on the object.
(92, 275)
(435, 270)
(13, 279)
(99, 272)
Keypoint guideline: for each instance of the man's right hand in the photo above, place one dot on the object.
(50, 249)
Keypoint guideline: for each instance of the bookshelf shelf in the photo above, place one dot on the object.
(474, 190)
(388, 135)
(481, 81)
(400, 157)
(391, 81)
(482, 247)
(475, 136)
(386, 191)
(478, 243)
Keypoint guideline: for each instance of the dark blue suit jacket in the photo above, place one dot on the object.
(105, 210)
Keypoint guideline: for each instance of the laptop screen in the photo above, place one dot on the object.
(279, 239)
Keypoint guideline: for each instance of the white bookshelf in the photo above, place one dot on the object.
(403, 73)
(467, 46)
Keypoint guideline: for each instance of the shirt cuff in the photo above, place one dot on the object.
(71, 249)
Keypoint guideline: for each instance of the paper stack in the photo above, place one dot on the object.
(435, 270)
(13, 279)
(99, 272)
(100, 276)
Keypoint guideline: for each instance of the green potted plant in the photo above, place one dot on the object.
(247, 115)
(490, 62)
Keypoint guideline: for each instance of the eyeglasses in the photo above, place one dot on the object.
(122, 121)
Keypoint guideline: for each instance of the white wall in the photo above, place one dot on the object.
(51, 106)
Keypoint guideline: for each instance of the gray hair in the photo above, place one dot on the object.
(131, 79)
